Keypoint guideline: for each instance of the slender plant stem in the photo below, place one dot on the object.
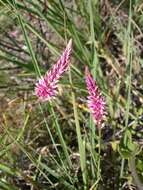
(122, 168)
(79, 138)
(134, 173)
(128, 78)
(99, 153)
(64, 146)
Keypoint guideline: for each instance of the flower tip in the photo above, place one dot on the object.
(69, 44)
(86, 70)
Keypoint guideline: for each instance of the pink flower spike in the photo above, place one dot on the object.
(46, 87)
(96, 102)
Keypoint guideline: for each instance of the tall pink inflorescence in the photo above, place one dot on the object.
(96, 102)
(46, 87)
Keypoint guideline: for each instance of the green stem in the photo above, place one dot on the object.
(80, 142)
(64, 146)
(79, 138)
(129, 44)
(132, 166)
(99, 152)
(122, 168)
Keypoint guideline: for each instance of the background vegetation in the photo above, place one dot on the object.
(47, 146)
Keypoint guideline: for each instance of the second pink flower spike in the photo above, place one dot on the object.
(96, 102)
